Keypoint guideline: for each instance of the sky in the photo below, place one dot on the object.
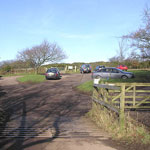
(87, 30)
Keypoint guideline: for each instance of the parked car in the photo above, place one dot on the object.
(85, 68)
(52, 73)
(122, 67)
(112, 73)
(99, 67)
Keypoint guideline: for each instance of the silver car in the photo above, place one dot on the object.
(52, 73)
(111, 73)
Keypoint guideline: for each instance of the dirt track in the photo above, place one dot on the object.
(50, 116)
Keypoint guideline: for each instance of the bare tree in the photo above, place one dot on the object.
(40, 54)
(114, 59)
(121, 52)
(140, 39)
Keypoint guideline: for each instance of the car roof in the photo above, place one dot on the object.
(109, 68)
(100, 66)
(122, 65)
(112, 68)
(53, 68)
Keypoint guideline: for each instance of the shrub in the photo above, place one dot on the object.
(133, 131)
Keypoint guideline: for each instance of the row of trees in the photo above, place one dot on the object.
(35, 56)
(138, 42)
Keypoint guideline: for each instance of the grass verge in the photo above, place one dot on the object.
(133, 132)
(86, 87)
(17, 74)
(32, 79)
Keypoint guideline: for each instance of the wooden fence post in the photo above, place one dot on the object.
(134, 94)
(122, 105)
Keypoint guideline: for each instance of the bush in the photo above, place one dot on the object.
(5, 69)
(133, 132)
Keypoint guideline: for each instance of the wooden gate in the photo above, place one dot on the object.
(121, 96)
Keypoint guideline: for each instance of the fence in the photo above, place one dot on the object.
(121, 96)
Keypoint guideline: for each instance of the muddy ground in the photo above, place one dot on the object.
(50, 116)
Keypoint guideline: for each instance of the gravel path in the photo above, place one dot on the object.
(6, 81)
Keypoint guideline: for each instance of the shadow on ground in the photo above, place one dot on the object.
(35, 107)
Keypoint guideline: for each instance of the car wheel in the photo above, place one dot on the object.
(124, 77)
(46, 78)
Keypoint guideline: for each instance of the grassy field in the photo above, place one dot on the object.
(32, 78)
(140, 77)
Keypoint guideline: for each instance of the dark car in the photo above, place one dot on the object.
(85, 68)
(112, 73)
(99, 67)
(52, 73)
(122, 67)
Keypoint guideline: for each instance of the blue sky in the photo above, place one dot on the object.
(87, 30)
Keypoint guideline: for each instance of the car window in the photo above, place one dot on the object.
(49, 70)
(108, 70)
(102, 70)
(97, 67)
(115, 71)
(87, 65)
(52, 70)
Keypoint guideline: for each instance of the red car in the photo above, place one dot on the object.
(122, 67)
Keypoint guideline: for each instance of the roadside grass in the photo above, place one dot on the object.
(32, 78)
(17, 74)
(133, 132)
(86, 87)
